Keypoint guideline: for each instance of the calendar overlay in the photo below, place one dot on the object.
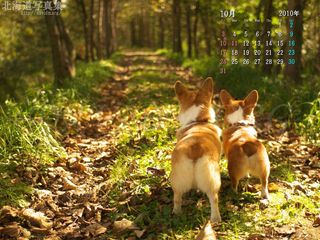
(257, 47)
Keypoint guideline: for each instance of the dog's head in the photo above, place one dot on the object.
(239, 111)
(195, 105)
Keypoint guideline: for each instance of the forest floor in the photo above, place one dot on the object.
(114, 182)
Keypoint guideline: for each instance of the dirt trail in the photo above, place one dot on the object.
(70, 198)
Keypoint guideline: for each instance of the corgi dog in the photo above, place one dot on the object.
(195, 158)
(245, 153)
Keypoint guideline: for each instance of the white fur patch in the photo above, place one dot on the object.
(237, 134)
(190, 115)
(236, 116)
(212, 115)
(208, 230)
(207, 175)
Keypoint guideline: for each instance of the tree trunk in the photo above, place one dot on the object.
(141, 38)
(63, 54)
(293, 70)
(189, 33)
(195, 29)
(133, 32)
(91, 31)
(161, 31)
(266, 37)
(176, 22)
(109, 26)
(85, 28)
(206, 25)
(99, 43)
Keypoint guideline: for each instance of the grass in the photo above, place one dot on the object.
(310, 124)
(145, 138)
(31, 130)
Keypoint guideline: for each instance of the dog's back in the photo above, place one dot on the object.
(195, 159)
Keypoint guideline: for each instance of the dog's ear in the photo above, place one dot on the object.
(206, 89)
(225, 97)
(252, 98)
(180, 90)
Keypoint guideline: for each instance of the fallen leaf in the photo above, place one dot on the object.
(124, 225)
(68, 185)
(52, 237)
(155, 171)
(139, 233)
(8, 211)
(316, 222)
(95, 229)
(256, 237)
(40, 230)
(36, 218)
(273, 187)
(12, 230)
(285, 230)
(207, 233)
(79, 167)
(263, 204)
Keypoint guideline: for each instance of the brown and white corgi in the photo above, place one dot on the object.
(245, 153)
(195, 158)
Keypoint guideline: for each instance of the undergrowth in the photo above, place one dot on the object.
(31, 130)
(296, 104)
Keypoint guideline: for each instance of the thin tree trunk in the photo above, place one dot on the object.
(91, 31)
(176, 22)
(114, 13)
(206, 22)
(267, 27)
(85, 28)
(161, 31)
(99, 30)
(141, 41)
(63, 54)
(293, 71)
(189, 33)
(195, 29)
(109, 26)
(133, 32)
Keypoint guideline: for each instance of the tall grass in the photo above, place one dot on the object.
(25, 138)
(30, 130)
(310, 124)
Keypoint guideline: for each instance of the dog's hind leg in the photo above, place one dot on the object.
(181, 181)
(213, 199)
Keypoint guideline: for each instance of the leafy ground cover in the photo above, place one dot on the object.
(113, 182)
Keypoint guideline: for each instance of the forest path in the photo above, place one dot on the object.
(114, 182)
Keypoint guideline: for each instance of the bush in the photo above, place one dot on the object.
(310, 125)
(204, 67)
(175, 58)
(26, 139)
(30, 130)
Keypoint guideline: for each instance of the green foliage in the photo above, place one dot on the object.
(24, 141)
(88, 76)
(174, 58)
(23, 138)
(280, 100)
(13, 194)
(204, 67)
(30, 130)
(310, 124)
